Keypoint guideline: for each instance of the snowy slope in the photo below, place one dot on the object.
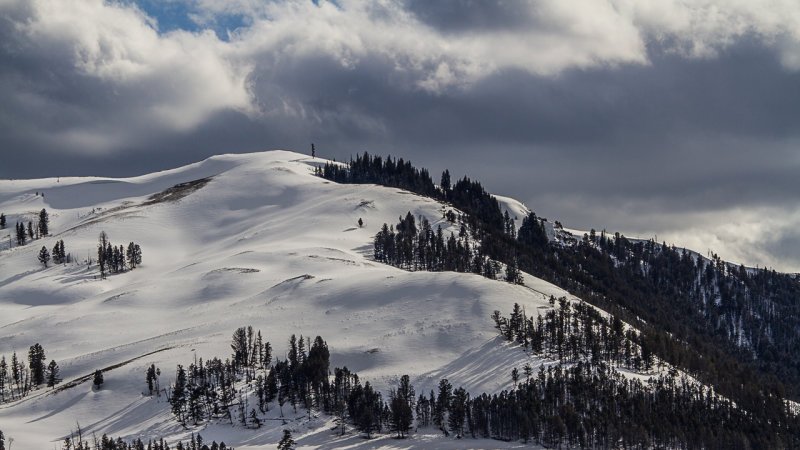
(263, 243)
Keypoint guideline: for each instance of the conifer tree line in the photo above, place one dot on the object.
(59, 254)
(735, 328)
(37, 230)
(76, 441)
(113, 259)
(18, 379)
(576, 332)
(410, 248)
(244, 387)
(207, 390)
(482, 210)
(33, 230)
(593, 406)
(585, 403)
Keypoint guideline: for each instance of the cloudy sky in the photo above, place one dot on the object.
(671, 118)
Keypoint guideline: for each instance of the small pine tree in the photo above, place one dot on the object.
(59, 254)
(134, 255)
(286, 443)
(445, 183)
(98, 378)
(30, 230)
(2, 221)
(44, 221)
(3, 375)
(360, 222)
(152, 378)
(21, 236)
(179, 394)
(52, 374)
(44, 256)
(36, 363)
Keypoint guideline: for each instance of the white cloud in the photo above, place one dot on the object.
(700, 28)
(434, 60)
(752, 237)
(143, 82)
(137, 81)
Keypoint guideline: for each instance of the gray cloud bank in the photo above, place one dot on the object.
(669, 118)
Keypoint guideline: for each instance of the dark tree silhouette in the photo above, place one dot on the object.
(44, 222)
(44, 256)
(97, 378)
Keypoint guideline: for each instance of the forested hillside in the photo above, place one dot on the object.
(735, 328)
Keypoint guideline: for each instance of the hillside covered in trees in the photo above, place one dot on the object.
(735, 328)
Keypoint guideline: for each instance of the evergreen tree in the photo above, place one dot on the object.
(2, 221)
(267, 357)
(44, 256)
(532, 232)
(152, 379)
(270, 387)
(240, 347)
(513, 274)
(108, 254)
(134, 255)
(294, 359)
(3, 375)
(44, 221)
(30, 230)
(36, 364)
(442, 403)
(458, 411)
(16, 376)
(445, 183)
(286, 443)
(179, 394)
(137, 254)
(21, 236)
(52, 374)
(317, 367)
(402, 406)
(101, 253)
(97, 379)
(59, 253)
(56, 255)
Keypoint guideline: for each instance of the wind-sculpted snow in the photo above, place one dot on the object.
(265, 243)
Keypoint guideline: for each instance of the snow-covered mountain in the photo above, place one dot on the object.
(235, 240)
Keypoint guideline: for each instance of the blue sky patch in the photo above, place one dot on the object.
(178, 15)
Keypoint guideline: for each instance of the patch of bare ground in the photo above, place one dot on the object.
(171, 194)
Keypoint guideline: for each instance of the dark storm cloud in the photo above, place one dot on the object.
(685, 134)
(641, 143)
(470, 15)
